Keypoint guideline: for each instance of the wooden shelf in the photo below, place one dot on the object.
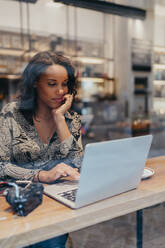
(159, 82)
(95, 79)
(159, 66)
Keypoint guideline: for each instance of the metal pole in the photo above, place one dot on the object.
(21, 24)
(75, 30)
(67, 28)
(139, 228)
(28, 25)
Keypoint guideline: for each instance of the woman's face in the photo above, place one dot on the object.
(52, 86)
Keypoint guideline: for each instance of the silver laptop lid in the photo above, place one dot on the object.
(111, 167)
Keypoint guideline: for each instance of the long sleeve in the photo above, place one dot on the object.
(23, 154)
(7, 168)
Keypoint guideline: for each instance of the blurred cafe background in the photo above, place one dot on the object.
(117, 48)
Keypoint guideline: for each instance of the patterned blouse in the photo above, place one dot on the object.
(23, 154)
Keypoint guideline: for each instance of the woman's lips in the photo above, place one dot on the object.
(58, 99)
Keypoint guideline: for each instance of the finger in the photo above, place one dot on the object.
(74, 174)
(76, 177)
(66, 170)
(72, 170)
(57, 175)
(64, 174)
(60, 174)
(68, 97)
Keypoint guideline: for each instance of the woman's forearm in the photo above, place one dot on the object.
(62, 128)
(16, 172)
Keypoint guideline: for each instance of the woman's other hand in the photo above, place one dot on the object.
(59, 118)
(64, 107)
(60, 170)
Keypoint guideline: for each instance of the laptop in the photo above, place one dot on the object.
(108, 168)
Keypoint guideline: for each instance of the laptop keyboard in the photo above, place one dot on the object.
(69, 195)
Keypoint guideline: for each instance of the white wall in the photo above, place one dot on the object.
(90, 24)
(45, 18)
(126, 29)
(159, 27)
(9, 15)
(123, 29)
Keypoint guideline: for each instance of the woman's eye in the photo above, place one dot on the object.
(65, 84)
(51, 83)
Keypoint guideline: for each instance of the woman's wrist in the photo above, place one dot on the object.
(38, 177)
(41, 176)
(58, 117)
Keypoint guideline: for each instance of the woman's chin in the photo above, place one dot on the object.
(55, 105)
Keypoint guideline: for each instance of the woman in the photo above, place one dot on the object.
(40, 138)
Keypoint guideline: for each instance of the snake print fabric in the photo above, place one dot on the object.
(22, 153)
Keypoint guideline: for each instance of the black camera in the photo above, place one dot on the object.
(24, 199)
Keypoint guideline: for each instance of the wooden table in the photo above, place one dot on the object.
(52, 218)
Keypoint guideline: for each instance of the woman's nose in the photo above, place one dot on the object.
(60, 91)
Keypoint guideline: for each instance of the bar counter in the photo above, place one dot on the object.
(52, 218)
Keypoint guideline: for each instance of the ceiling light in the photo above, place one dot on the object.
(159, 66)
(10, 76)
(52, 4)
(11, 52)
(89, 60)
(30, 54)
(91, 79)
(159, 49)
(27, 1)
(159, 82)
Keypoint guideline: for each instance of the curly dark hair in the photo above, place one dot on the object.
(33, 71)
